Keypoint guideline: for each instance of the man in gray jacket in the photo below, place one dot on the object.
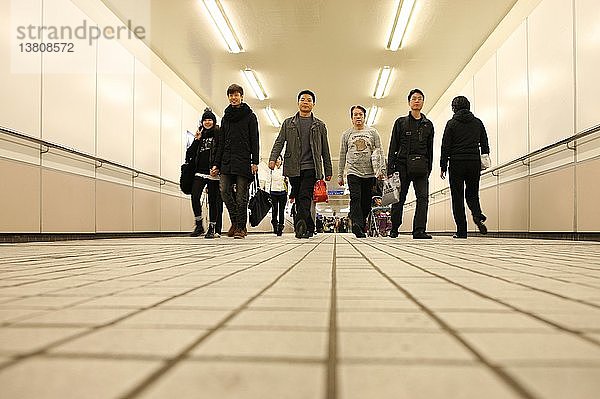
(306, 154)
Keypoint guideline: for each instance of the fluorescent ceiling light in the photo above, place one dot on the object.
(382, 82)
(222, 23)
(372, 114)
(255, 84)
(403, 14)
(272, 116)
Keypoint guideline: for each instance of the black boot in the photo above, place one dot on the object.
(199, 230)
(212, 233)
(279, 229)
(275, 228)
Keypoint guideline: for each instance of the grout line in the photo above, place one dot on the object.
(332, 388)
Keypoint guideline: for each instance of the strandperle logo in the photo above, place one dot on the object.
(84, 31)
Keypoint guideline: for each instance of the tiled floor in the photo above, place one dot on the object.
(332, 317)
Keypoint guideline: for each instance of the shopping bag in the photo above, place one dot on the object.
(259, 204)
(320, 191)
(390, 193)
(486, 162)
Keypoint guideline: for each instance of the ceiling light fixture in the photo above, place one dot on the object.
(403, 13)
(222, 23)
(382, 82)
(272, 117)
(254, 83)
(372, 114)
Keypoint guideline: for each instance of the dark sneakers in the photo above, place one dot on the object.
(421, 235)
(211, 233)
(300, 229)
(198, 231)
(393, 234)
(358, 231)
(479, 222)
(464, 236)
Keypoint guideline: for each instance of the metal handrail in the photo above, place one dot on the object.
(99, 162)
(532, 154)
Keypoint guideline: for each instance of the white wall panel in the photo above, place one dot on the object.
(552, 209)
(146, 143)
(587, 62)
(69, 84)
(115, 103)
(484, 103)
(189, 122)
(551, 81)
(19, 71)
(170, 134)
(512, 96)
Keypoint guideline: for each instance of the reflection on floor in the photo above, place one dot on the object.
(276, 317)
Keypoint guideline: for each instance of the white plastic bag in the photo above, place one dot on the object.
(486, 162)
(390, 192)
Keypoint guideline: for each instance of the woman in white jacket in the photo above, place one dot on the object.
(278, 190)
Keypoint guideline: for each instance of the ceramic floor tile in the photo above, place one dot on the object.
(279, 318)
(177, 317)
(14, 340)
(121, 301)
(491, 321)
(401, 345)
(420, 382)
(259, 343)
(81, 378)
(560, 382)
(382, 320)
(78, 316)
(211, 380)
(507, 347)
(120, 341)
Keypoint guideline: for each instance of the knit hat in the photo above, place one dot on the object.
(208, 114)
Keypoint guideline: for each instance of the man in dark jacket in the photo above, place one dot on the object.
(237, 158)
(201, 154)
(464, 141)
(306, 155)
(411, 155)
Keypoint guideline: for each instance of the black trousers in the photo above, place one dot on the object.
(278, 200)
(464, 183)
(215, 203)
(361, 193)
(421, 187)
(236, 201)
(302, 190)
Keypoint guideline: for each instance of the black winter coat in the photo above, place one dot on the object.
(202, 152)
(464, 138)
(405, 139)
(238, 144)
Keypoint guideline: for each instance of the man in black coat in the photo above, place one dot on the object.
(464, 141)
(237, 158)
(411, 155)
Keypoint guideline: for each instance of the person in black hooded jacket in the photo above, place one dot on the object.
(201, 154)
(237, 158)
(463, 143)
